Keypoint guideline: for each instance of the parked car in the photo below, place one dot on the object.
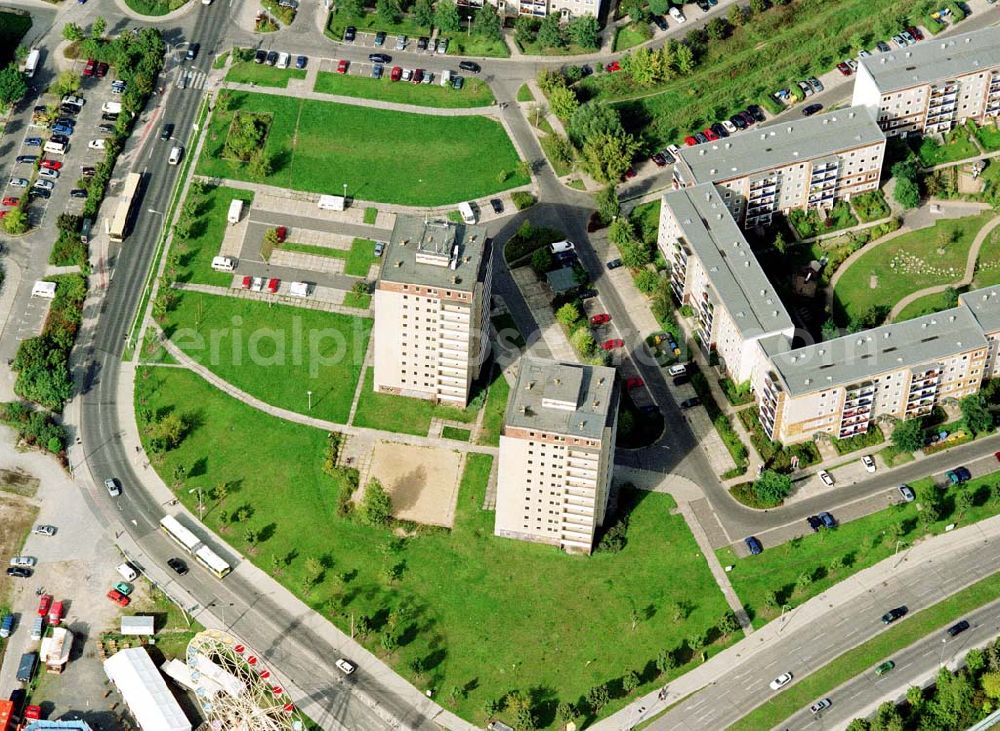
(19, 182)
(418, 76)
(400, 43)
(396, 74)
(720, 130)
(660, 22)
(257, 285)
(88, 67)
(906, 492)
(345, 666)
(11, 200)
(893, 614)
(806, 88)
(612, 343)
(118, 598)
(342, 65)
(753, 545)
(600, 319)
(407, 75)
(907, 38)
(260, 56)
(676, 14)
(379, 57)
(272, 58)
(827, 519)
(23, 561)
(272, 285)
(442, 46)
(470, 66)
(958, 475)
(377, 70)
(814, 522)
(614, 263)
(19, 572)
(379, 248)
(884, 667)
(51, 164)
(702, 139)
(350, 33)
(812, 109)
(815, 84)
(915, 32)
(826, 477)
(33, 141)
(422, 43)
(7, 626)
(48, 173)
(56, 614)
(192, 51)
(44, 604)
(737, 121)
(756, 113)
(96, 144)
(44, 185)
(380, 39)
(613, 67)
(844, 69)
(710, 134)
(729, 126)
(690, 403)
(869, 462)
(781, 681)
(101, 70)
(497, 205)
(883, 47)
(820, 705)
(178, 566)
(658, 159)
(88, 172)
(26, 159)
(634, 382)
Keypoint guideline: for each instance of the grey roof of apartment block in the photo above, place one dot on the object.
(711, 231)
(935, 60)
(781, 144)
(853, 358)
(422, 251)
(985, 306)
(586, 391)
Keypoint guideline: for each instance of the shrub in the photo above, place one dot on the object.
(376, 506)
(646, 281)
(527, 239)
(37, 428)
(860, 441)
(522, 199)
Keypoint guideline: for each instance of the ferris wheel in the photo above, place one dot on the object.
(235, 689)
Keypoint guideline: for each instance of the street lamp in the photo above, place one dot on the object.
(309, 395)
(201, 505)
(345, 192)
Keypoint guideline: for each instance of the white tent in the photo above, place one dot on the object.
(145, 692)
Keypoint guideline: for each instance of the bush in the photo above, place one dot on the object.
(767, 491)
(376, 506)
(37, 428)
(646, 281)
(933, 26)
(870, 438)
(771, 104)
(870, 206)
(527, 239)
(522, 199)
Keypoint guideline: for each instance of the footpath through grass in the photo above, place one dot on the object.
(865, 657)
(393, 157)
(248, 72)
(274, 352)
(459, 609)
(794, 572)
(474, 93)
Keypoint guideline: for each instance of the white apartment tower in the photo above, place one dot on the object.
(432, 310)
(932, 86)
(557, 454)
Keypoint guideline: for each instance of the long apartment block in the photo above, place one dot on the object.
(714, 271)
(932, 86)
(984, 304)
(431, 309)
(565, 9)
(799, 164)
(557, 454)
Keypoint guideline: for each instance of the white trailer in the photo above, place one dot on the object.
(235, 211)
(31, 62)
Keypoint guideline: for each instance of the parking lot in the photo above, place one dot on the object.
(432, 73)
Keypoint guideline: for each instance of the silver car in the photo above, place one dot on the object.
(19, 182)
(44, 184)
(44, 530)
(48, 173)
(400, 43)
(23, 561)
(113, 487)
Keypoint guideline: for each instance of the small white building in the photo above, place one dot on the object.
(140, 624)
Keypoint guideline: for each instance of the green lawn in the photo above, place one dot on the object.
(631, 35)
(906, 264)
(13, 26)
(371, 215)
(957, 146)
(988, 266)
(358, 259)
(524, 94)
(318, 146)
(496, 408)
(925, 305)
(370, 22)
(785, 43)
(475, 93)
(460, 435)
(155, 7)
(195, 255)
(248, 72)
(361, 301)
(462, 44)
(857, 545)
(865, 657)
(275, 352)
(402, 414)
(459, 604)
(989, 136)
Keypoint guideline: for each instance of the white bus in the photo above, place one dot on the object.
(193, 545)
(123, 214)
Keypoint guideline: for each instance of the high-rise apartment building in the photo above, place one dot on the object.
(932, 86)
(798, 164)
(431, 309)
(713, 270)
(557, 454)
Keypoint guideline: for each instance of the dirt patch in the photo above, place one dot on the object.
(422, 481)
(18, 482)
(16, 519)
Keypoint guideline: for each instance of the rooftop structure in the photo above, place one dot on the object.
(985, 307)
(561, 398)
(434, 253)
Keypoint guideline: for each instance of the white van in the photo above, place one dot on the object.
(446, 77)
(298, 289)
(44, 289)
(127, 572)
(224, 264)
(176, 153)
(282, 60)
(678, 369)
(55, 148)
(561, 247)
(235, 211)
(468, 215)
(111, 107)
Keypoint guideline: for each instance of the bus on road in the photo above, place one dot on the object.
(124, 213)
(194, 546)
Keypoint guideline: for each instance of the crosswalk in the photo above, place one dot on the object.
(190, 78)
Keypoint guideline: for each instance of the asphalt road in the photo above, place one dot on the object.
(918, 664)
(808, 646)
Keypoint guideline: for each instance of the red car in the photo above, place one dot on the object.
(600, 319)
(634, 382)
(613, 343)
(418, 76)
(915, 32)
(630, 173)
(247, 280)
(342, 66)
(33, 713)
(843, 68)
(56, 614)
(396, 74)
(997, 455)
(43, 604)
(282, 233)
(712, 137)
(88, 69)
(51, 164)
(613, 66)
(11, 201)
(101, 70)
(272, 285)
(118, 598)
(690, 141)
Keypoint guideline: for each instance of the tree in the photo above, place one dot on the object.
(387, 11)
(779, 242)
(728, 624)
(646, 281)
(423, 12)
(259, 165)
(98, 28)
(991, 685)
(550, 34)
(963, 501)
(608, 205)
(630, 681)
(771, 488)
(737, 16)
(583, 341)
(976, 414)
(541, 261)
(592, 119)
(72, 32)
(488, 23)
(771, 599)
(908, 436)
(697, 640)
(525, 30)
(717, 28)
(643, 67)
(665, 661)
(13, 87)
(584, 31)
(167, 433)
(15, 222)
(804, 581)
(67, 82)
(906, 193)
(597, 698)
(608, 155)
(562, 101)
(313, 570)
(566, 712)
(446, 17)
(683, 59)
(390, 643)
(567, 315)
(758, 6)
(376, 506)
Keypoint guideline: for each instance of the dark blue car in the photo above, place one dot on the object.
(33, 141)
(753, 545)
(62, 129)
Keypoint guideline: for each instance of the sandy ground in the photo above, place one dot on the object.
(422, 481)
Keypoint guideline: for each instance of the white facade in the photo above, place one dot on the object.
(566, 9)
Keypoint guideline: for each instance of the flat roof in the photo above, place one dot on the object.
(935, 60)
(435, 253)
(857, 357)
(985, 306)
(564, 398)
(780, 144)
(561, 280)
(711, 231)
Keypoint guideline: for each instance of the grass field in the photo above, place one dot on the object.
(195, 255)
(361, 301)
(275, 352)
(248, 72)
(906, 264)
(358, 259)
(989, 136)
(462, 44)
(402, 414)
(369, 23)
(629, 36)
(458, 605)
(524, 94)
(866, 656)
(460, 435)
(924, 306)
(856, 545)
(155, 7)
(13, 26)
(957, 146)
(783, 44)
(496, 407)
(988, 266)
(387, 156)
(474, 93)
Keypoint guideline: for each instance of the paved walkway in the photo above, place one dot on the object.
(970, 271)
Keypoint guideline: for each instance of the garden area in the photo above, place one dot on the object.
(796, 571)
(814, 222)
(870, 206)
(483, 652)
(956, 145)
(274, 352)
(474, 92)
(248, 72)
(387, 156)
(886, 273)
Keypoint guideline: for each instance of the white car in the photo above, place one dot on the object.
(674, 150)
(407, 74)
(676, 14)
(821, 705)
(48, 173)
(729, 126)
(826, 477)
(781, 681)
(23, 561)
(19, 182)
(96, 144)
(44, 184)
(44, 530)
(346, 666)
(869, 462)
(257, 285)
